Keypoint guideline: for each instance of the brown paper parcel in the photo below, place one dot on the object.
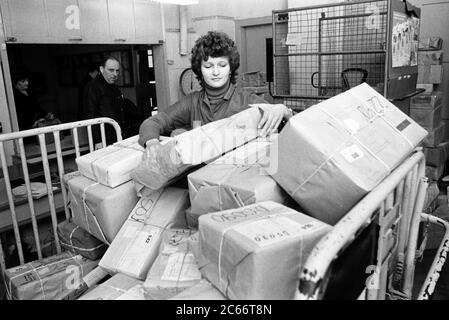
(113, 288)
(98, 209)
(204, 290)
(175, 269)
(233, 181)
(163, 162)
(52, 278)
(136, 245)
(333, 153)
(258, 251)
(113, 164)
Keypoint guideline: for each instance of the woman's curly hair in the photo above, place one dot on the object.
(215, 44)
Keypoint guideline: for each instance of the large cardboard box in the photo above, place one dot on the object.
(136, 245)
(114, 288)
(430, 74)
(430, 57)
(430, 43)
(434, 173)
(428, 118)
(175, 269)
(52, 278)
(112, 165)
(427, 100)
(335, 152)
(438, 155)
(98, 209)
(258, 251)
(235, 180)
(435, 136)
(162, 163)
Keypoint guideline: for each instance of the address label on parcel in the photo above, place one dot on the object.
(265, 232)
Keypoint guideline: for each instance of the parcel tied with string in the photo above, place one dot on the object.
(112, 165)
(335, 152)
(98, 209)
(237, 179)
(117, 287)
(77, 240)
(53, 278)
(258, 251)
(175, 268)
(136, 245)
(163, 162)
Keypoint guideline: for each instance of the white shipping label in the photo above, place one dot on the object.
(265, 232)
(43, 271)
(352, 153)
(145, 242)
(181, 267)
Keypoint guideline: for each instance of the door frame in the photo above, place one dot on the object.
(240, 36)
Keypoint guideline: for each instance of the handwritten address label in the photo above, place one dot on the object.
(181, 267)
(265, 232)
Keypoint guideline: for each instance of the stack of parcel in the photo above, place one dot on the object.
(253, 208)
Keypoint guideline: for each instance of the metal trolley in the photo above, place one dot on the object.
(395, 208)
(24, 209)
(321, 51)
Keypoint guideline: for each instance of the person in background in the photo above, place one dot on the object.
(102, 98)
(28, 108)
(215, 60)
(92, 72)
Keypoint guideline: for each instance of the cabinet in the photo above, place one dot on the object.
(82, 21)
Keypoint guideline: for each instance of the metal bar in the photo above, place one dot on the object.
(433, 274)
(325, 251)
(103, 136)
(51, 203)
(61, 127)
(26, 177)
(76, 142)
(361, 15)
(329, 53)
(322, 6)
(388, 49)
(2, 258)
(407, 283)
(61, 169)
(11, 202)
(90, 138)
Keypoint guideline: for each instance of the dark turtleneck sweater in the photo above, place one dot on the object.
(216, 95)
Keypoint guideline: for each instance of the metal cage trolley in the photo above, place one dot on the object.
(25, 210)
(321, 51)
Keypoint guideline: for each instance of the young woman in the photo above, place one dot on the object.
(215, 61)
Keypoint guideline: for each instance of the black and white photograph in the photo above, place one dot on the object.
(224, 156)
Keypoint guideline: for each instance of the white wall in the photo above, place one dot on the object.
(247, 9)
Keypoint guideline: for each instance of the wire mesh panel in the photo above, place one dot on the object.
(322, 51)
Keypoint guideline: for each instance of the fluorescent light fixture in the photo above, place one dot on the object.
(180, 2)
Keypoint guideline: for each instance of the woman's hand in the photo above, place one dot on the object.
(272, 117)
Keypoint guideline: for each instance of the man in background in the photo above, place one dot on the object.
(102, 98)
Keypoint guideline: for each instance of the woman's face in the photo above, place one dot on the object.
(216, 71)
(22, 84)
